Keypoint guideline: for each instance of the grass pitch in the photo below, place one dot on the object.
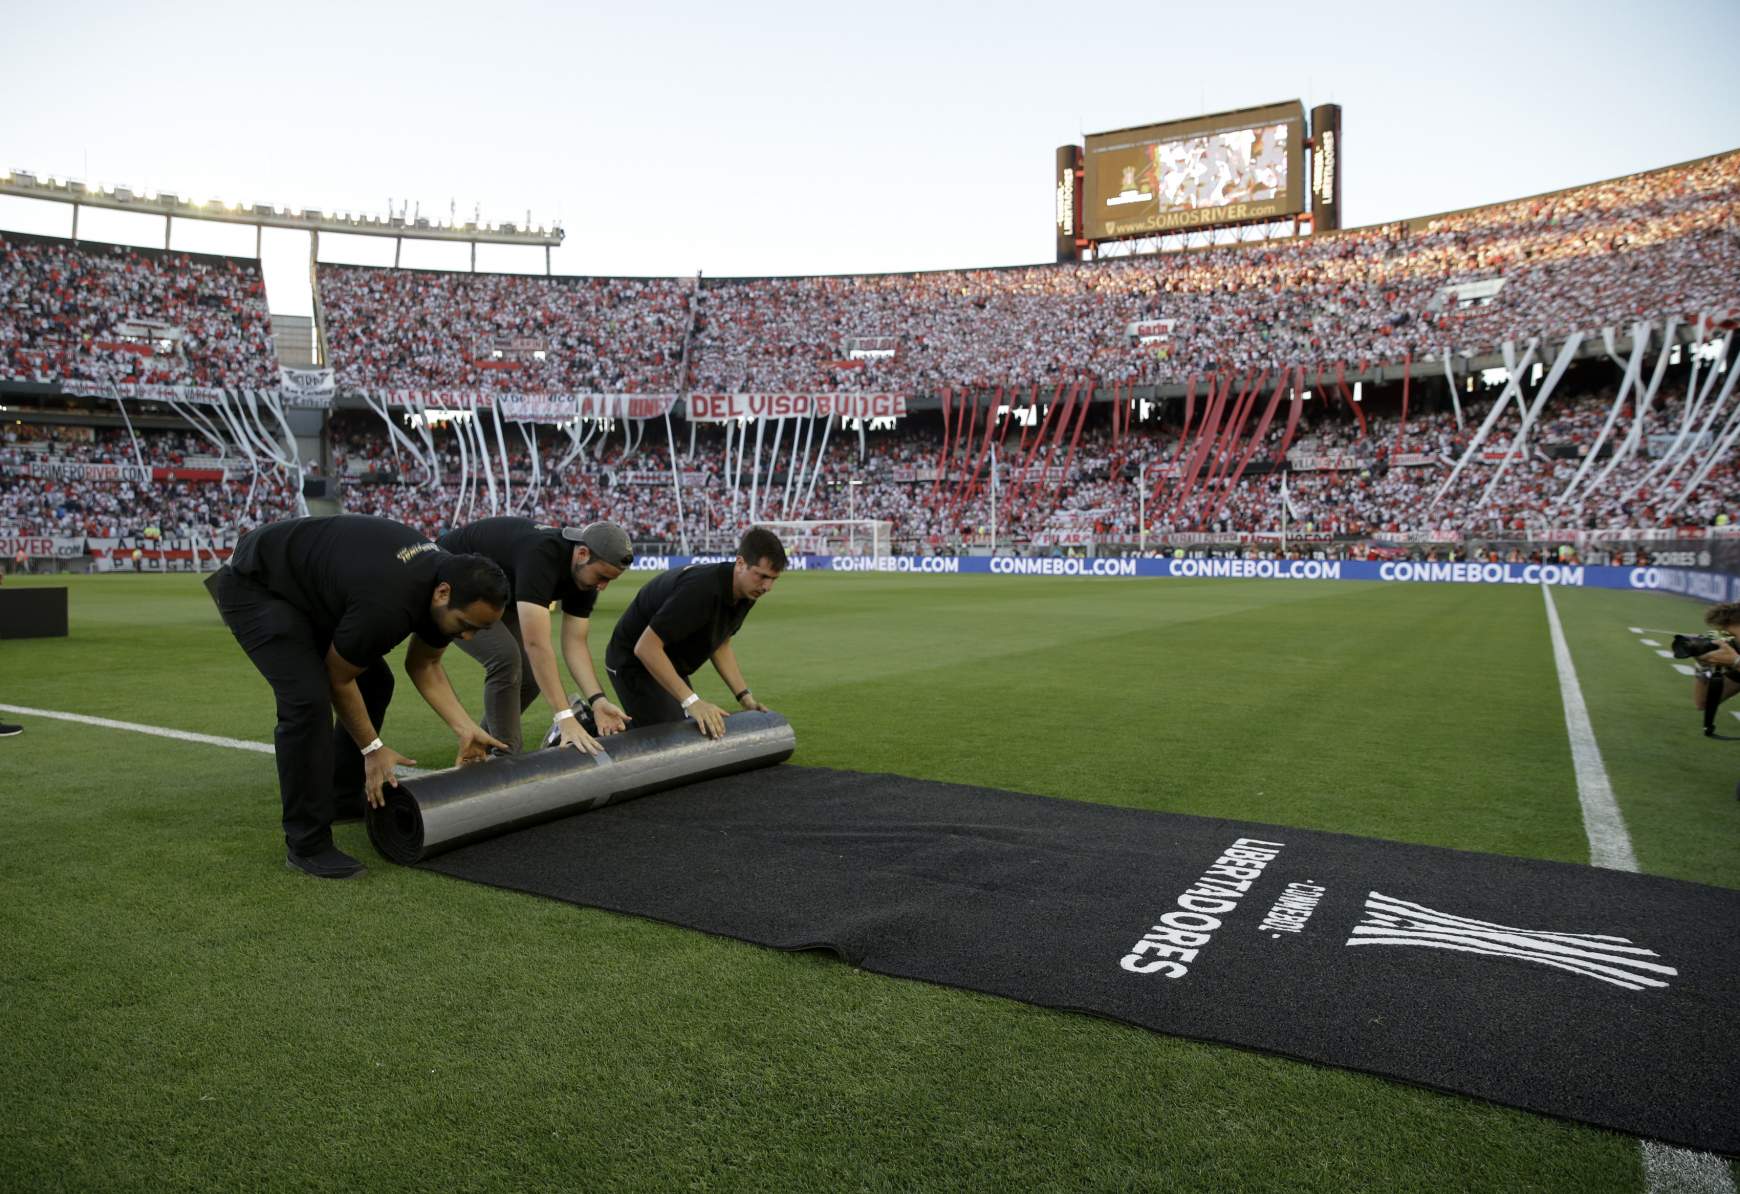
(182, 1012)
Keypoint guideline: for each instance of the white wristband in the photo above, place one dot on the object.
(372, 747)
(564, 715)
(690, 700)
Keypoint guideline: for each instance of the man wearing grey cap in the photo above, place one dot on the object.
(544, 565)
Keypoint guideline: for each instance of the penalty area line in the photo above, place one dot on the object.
(133, 727)
(1666, 1169)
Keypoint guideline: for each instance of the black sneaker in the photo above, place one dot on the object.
(7, 731)
(330, 863)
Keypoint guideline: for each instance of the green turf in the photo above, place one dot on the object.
(181, 1012)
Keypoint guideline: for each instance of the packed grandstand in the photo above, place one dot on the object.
(1326, 388)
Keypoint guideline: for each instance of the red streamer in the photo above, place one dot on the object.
(1086, 405)
(1293, 414)
(1347, 395)
(1206, 437)
(1255, 440)
(1019, 481)
(1407, 365)
(942, 464)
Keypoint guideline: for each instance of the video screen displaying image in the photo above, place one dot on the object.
(1155, 179)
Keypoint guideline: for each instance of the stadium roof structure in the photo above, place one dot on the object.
(25, 185)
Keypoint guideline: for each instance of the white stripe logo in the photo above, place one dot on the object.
(1389, 921)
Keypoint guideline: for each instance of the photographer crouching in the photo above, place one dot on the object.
(1718, 676)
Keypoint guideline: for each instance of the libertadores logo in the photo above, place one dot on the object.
(1389, 921)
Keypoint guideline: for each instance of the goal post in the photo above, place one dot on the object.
(836, 537)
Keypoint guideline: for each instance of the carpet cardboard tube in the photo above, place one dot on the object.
(426, 816)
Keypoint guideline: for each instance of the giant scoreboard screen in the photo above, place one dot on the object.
(1212, 170)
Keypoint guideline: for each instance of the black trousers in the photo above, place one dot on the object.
(320, 769)
(642, 697)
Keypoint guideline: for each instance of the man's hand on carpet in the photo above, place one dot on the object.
(474, 746)
(378, 770)
(709, 718)
(574, 734)
(610, 719)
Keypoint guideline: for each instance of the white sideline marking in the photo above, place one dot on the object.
(109, 723)
(1686, 669)
(1666, 1169)
(1609, 844)
(1636, 629)
(1665, 654)
(1649, 642)
(1669, 1170)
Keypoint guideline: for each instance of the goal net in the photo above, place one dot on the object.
(836, 537)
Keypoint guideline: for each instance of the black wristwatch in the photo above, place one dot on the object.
(743, 694)
(594, 699)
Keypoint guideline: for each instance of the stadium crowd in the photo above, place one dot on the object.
(1648, 246)
(108, 314)
(1653, 246)
(401, 330)
(1642, 247)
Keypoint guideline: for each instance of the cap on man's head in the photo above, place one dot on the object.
(605, 540)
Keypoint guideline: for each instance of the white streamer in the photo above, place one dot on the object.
(773, 455)
(1562, 363)
(1639, 341)
(1635, 436)
(755, 472)
(475, 426)
(1718, 453)
(459, 435)
(507, 483)
(1512, 386)
(1709, 422)
(1450, 376)
(676, 482)
(821, 455)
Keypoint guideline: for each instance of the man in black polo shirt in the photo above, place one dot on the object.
(316, 603)
(682, 619)
(543, 565)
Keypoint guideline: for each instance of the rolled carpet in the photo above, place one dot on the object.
(435, 813)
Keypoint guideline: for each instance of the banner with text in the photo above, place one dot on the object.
(720, 408)
(314, 387)
(1702, 585)
(197, 395)
(564, 408)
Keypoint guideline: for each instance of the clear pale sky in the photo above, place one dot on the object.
(773, 137)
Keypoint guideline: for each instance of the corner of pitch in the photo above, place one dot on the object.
(1170, 946)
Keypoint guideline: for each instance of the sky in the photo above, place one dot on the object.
(795, 138)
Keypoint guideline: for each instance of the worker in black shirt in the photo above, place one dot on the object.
(680, 620)
(543, 565)
(316, 603)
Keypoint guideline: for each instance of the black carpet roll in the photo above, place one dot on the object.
(434, 813)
